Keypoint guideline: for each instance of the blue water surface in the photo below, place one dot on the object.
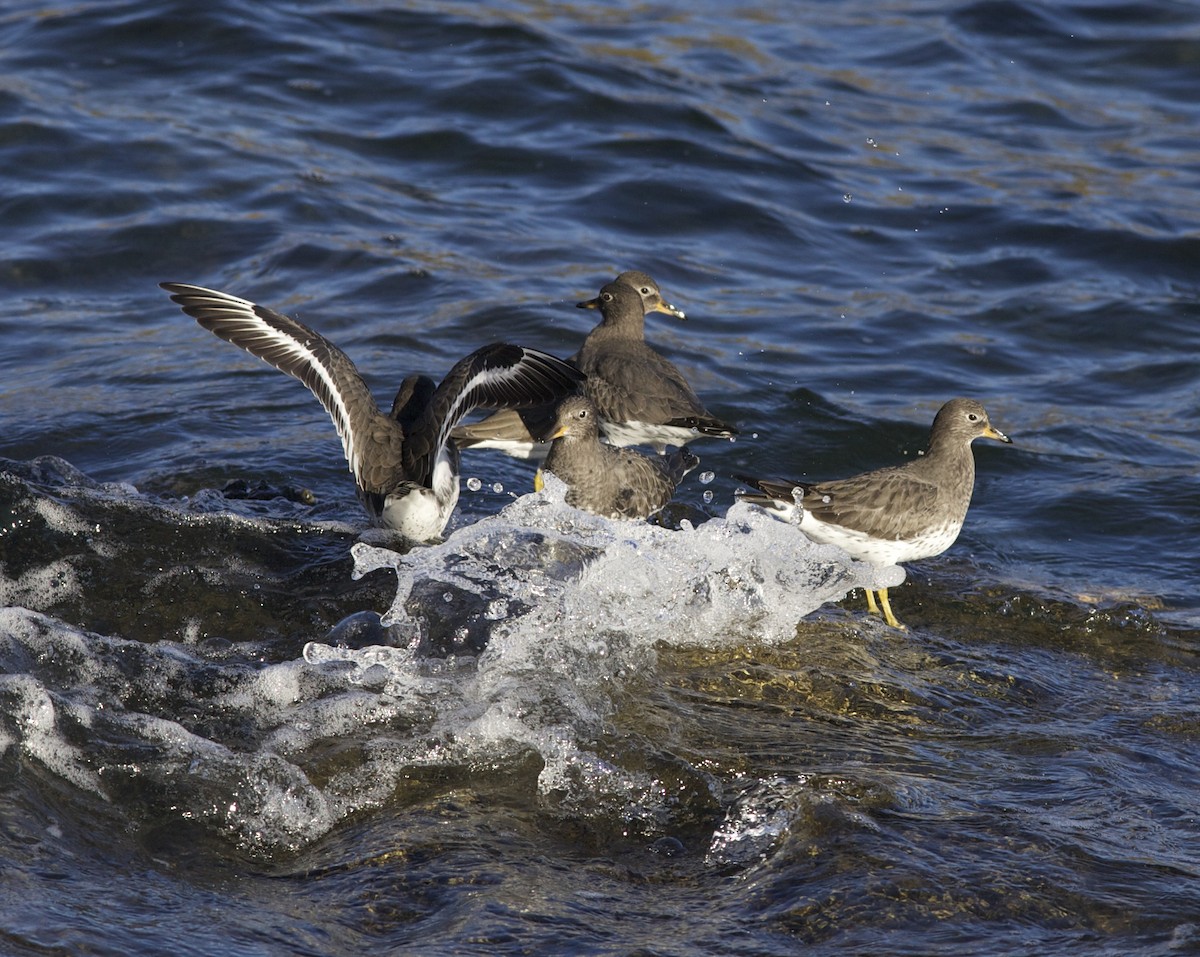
(865, 209)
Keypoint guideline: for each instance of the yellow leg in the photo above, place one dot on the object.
(538, 481)
(871, 606)
(887, 610)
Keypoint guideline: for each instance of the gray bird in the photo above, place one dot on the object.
(642, 398)
(405, 464)
(891, 515)
(603, 479)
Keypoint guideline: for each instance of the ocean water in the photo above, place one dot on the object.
(233, 720)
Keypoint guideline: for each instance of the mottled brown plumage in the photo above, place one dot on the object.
(897, 514)
(609, 481)
(641, 397)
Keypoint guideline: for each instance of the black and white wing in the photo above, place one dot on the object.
(291, 347)
(500, 376)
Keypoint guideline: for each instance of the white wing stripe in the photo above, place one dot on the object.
(253, 331)
(465, 401)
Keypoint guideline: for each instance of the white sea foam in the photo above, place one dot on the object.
(755, 821)
(745, 573)
(43, 586)
(36, 726)
(562, 612)
(587, 602)
(61, 518)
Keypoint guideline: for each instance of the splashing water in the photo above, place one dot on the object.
(519, 634)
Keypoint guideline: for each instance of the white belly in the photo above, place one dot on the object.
(418, 515)
(880, 551)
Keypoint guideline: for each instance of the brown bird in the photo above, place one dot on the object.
(404, 464)
(603, 479)
(891, 515)
(642, 398)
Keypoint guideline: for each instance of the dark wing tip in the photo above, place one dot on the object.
(180, 291)
(505, 355)
(705, 425)
(560, 369)
(718, 429)
(767, 490)
(183, 290)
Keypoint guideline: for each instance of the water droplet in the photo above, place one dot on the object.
(846, 197)
(707, 496)
(706, 477)
(448, 597)
(474, 484)
(825, 499)
(497, 610)
(497, 487)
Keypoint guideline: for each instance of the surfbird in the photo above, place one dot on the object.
(603, 479)
(891, 515)
(405, 464)
(642, 398)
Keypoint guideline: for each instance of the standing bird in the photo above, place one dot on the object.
(891, 515)
(608, 481)
(641, 397)
(404, 464)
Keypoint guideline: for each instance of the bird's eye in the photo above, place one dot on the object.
(972, 417)
(583, 413)
(645, 290)
(607, 297)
